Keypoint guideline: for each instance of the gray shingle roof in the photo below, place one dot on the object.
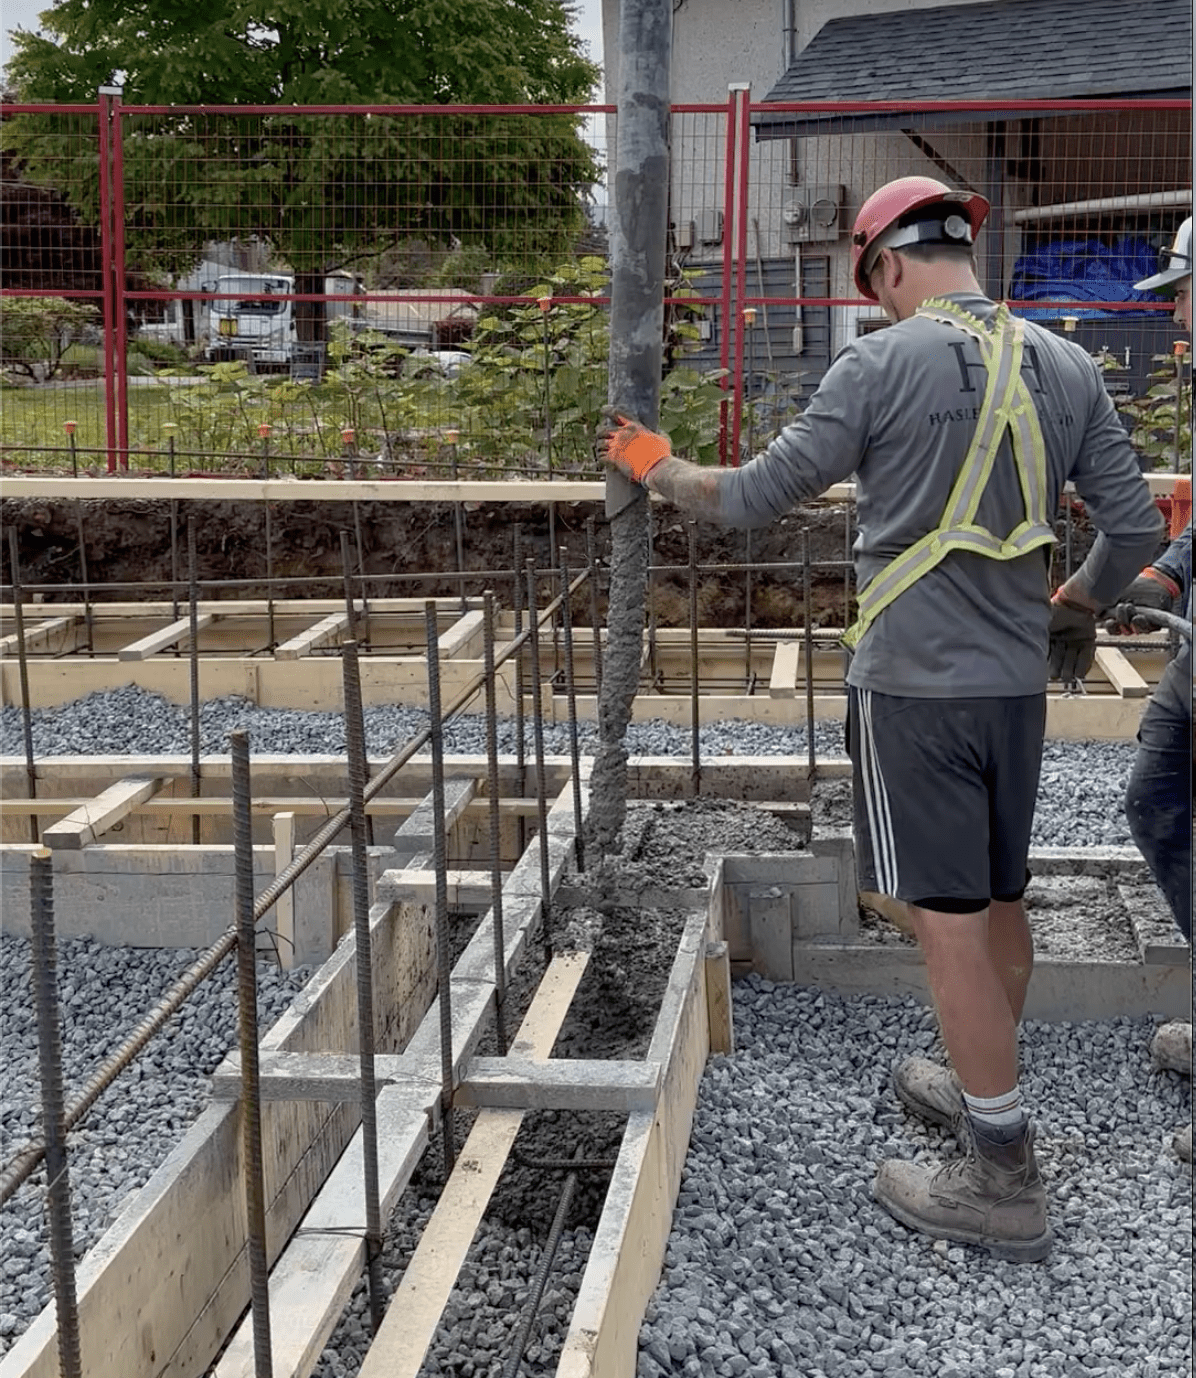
(1033, 49)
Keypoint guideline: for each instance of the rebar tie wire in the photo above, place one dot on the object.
(24, 1163)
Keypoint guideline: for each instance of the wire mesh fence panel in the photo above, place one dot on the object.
(401, 291)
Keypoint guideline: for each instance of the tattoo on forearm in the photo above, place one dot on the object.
(695, 490)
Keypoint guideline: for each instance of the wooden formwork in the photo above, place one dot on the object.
(139, 644)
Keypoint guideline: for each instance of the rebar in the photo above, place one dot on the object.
(651, 592)
(807, 585)
(540, 1281)
(23, 676)
(88, 618)
(439, 863)
(846, 584)
(193, 657)
(458, 528)
(533, 622)
(520, 744)
(24, 1162)
(270, 637)
(44, 953)
(251, 1102)
(365, 602)
(571, 700)
(595, 622)
(358, 770)
(695, 776)
(347, 580)
(174, 557)
(492, 785)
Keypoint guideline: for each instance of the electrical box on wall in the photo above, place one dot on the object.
(710, 227)
(815, 214)
(683, 234)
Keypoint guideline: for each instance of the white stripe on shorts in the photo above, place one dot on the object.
(876, 797)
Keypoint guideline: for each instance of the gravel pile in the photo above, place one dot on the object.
(137, 1121)
(781, 1266)
(1079, 799)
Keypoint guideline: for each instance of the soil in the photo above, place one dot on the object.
(129, 541)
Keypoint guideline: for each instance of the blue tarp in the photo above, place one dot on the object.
(1085, 270)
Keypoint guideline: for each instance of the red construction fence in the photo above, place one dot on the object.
(415, 290)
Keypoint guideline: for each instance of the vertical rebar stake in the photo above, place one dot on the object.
(358, 770)
(174, 552)
(694, 678)
(88, 617)
(653, 665)
(595, 626)
(23, 675)
(49, 1044)
(458, 531)
(443, 961)
(193, 654)
(807, 584)
(365, 604)
(571, 700)
(347, 575)
(496, 911)
(533, 626)
(251, 1102)
(520, 744)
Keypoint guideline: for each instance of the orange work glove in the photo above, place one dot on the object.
(635, 449)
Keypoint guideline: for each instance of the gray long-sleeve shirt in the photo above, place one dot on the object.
(898, 409)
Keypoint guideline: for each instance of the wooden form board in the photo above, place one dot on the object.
(157, 641)
(92, 820)
(365, 490)
(312, 1280)
(40, 634)
(414, 1313)
(1123, 676)
(628, 1249)
(786, 670)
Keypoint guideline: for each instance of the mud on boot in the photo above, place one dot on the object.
(931, 1091)
(992, 1197)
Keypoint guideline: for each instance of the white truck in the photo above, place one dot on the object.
(261, 321)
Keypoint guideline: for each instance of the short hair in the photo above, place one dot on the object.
(934, 252)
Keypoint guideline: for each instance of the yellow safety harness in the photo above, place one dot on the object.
(1008, 406)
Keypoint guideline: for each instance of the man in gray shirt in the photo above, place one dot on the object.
(962, 426)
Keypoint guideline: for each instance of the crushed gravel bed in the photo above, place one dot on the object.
(1079, 797)
(780, 1265)
(138, 1120)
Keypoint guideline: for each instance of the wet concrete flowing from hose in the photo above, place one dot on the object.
(620, 676)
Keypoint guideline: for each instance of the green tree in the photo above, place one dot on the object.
(325, 192)
(35, 333)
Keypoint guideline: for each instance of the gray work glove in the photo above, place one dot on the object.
(1073, 639)
(1149, 590)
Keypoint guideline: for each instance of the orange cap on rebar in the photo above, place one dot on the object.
(1181, 505)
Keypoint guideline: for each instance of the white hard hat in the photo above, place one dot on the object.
(1175, 263)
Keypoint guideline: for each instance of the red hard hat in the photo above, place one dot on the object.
(890, 203)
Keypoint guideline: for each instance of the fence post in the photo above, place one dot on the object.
(731, 144)
(743, 98)
(104, 115)
(120, 315)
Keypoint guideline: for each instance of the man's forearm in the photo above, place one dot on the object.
(694, 489)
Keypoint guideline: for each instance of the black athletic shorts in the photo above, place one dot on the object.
(944, 793)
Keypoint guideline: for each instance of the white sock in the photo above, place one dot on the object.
(1000, 1117)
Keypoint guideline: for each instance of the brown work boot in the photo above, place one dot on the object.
(933, 1092)
(993, 1197)
(1171, 1047)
